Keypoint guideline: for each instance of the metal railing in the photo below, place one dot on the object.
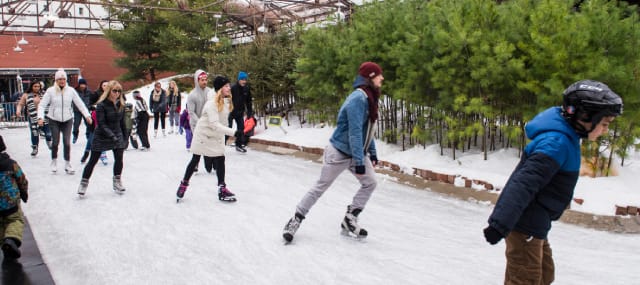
(8, 117)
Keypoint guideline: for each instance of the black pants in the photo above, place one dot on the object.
(159, 116)
(216, 162)
(240, 140)
(118, 154)
(143, 128)
(65, 128)
(77, 118)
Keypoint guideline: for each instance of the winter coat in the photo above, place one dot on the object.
(242, 100)
(85, 96)
(128, 116)
(196, 100)
(13, 183)
(353, 127)
(184, 120)
(110, 129)
(174, 101)
(60, 104)
(159, 106)
(541, 186)
(208, 136)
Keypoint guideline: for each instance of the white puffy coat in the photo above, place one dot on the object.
(208, 136)
(60, 104)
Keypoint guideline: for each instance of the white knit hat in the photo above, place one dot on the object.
(60, 74)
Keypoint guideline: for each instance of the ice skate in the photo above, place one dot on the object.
(10, 248)
(181, 189)
(292, 226)
(350, 225)
(54, 166)
(240, 149)
(103, 158)
(164, 134)
(225, 195)
(34, 150)
(84, 183)
(68, 168)
(117, 185)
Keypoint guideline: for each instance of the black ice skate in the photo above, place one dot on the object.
(181, 189)
(225, 195)
(10, 248)
(292, 226)
(350, 225)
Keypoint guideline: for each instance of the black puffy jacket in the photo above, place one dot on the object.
(110, 129)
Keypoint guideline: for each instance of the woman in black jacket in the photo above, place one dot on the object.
(108, 135)
(158, 105)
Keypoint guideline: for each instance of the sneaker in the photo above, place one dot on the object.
(84, 184)
(239, 148)
(68, 168)
(85, 155)
(224, 194)
(350, 223)
(54, 166)
(10, 248)
(292, 226)
(117, 184)
(34, 150)
(182, 188)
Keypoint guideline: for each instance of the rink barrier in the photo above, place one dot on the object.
(618, 218)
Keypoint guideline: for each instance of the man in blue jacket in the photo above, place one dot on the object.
(541, 187)
(349, 145)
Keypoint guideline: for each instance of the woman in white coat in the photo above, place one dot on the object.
(59, 99)
(208, 138)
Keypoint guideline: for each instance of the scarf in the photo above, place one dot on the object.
(156, 95)
(373, 96)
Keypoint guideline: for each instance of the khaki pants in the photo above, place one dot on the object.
(12, 226)
(529, 260)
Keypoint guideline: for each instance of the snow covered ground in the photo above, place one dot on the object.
(416, 237)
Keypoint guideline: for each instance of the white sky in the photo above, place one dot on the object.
(416, 237)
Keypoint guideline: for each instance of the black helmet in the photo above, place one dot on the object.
(589, 101)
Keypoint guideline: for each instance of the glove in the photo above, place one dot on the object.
(181, 130)
(238, 134)
(359, 169)
(492, 235)
(374, 160)
(24, 195)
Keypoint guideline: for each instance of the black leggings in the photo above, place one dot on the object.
(118, 154)
(159, 117)
(218, 165)
(64, 128)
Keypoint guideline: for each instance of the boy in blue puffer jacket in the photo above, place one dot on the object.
(541, 187)
(13, 187)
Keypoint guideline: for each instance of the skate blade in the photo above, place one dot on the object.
(119, 192)
(70, 172)
(228, 200)
(352, 236)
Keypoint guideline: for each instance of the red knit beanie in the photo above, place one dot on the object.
(369, 69)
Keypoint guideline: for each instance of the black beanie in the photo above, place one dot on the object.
(3, 147)
(219, 82)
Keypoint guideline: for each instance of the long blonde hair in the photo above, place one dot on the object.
(113, 84)
(176, 90)
(220, 101)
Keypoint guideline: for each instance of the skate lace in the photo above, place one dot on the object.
(292, 225)
(225, 191)
(182, 189)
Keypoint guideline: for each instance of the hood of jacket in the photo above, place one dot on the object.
(550, 120)
(359, 81)
(196, 86)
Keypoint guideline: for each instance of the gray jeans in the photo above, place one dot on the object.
(335, 163)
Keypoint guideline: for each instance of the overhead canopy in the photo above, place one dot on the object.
(238, 18)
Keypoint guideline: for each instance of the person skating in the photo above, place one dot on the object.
(109, 134)
(85, 94)
(15, 187)
(349, 145)
(208, 139)
(242, 104)
(198, 96)
(141, 122)
(60, 98)
(31, 99)
(541, 186)
(158, 106)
